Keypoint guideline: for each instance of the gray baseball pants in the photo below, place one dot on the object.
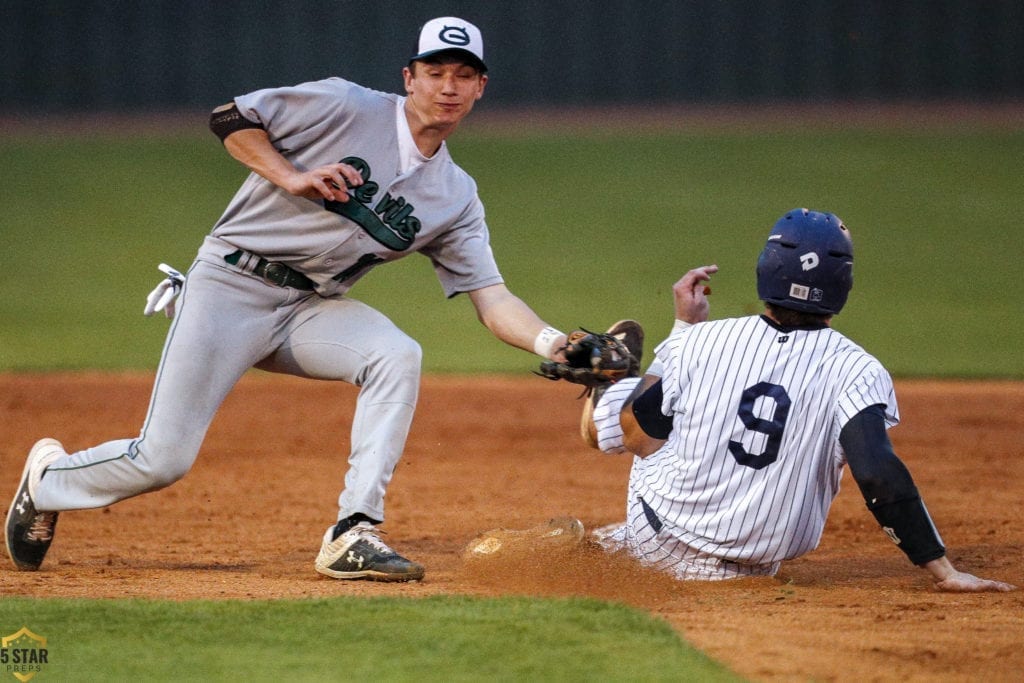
(228, 321)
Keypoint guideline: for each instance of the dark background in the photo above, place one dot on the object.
(149, 55)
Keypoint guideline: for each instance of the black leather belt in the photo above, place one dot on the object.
(274, 272)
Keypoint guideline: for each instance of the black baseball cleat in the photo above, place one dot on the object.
(359, 553)
(29, 531)
(631, 334)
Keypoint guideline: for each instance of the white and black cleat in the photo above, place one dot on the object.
(29, 531)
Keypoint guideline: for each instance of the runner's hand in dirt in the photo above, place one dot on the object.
(962, 582)
(949, 580)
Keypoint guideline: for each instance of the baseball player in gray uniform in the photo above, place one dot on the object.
(344, 179)
(741, 427)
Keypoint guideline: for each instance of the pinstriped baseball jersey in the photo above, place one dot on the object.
(753, 461)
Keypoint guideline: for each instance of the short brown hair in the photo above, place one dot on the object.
(450, 57)
(787, 317)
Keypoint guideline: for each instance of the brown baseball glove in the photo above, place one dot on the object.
(592, 359)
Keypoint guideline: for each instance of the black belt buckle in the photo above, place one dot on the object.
(276, 273)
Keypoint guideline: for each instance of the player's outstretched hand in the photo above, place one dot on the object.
(691, 295)
(962, 582)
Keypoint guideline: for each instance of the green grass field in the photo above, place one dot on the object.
(382, 639)
(588, 228)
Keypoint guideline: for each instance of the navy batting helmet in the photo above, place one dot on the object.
(807, 264)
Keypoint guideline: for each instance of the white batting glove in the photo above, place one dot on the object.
(162, 298)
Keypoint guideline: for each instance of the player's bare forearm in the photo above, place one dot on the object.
(508, 317)
(950, 580)
(252, 147)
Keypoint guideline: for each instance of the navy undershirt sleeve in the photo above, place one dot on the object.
(887, 486)
(647, 410)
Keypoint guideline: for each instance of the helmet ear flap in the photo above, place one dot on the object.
(843, 279)
(769, 274)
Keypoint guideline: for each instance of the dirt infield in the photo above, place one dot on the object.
(486, 452)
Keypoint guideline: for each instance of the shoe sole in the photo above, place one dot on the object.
(620, 327)
(588, 431)
(23, 484)
(558, 533)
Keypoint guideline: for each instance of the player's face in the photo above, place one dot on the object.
(442, 94)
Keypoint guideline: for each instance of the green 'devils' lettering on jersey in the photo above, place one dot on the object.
(390, 221)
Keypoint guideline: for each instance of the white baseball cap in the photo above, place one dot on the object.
(446, 34)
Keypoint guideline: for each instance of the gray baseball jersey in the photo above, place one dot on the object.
(753, 461)
(432, 208)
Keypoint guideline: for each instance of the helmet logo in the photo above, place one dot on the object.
(809, 261)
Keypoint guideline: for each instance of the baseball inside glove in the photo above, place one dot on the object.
(592, 359)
